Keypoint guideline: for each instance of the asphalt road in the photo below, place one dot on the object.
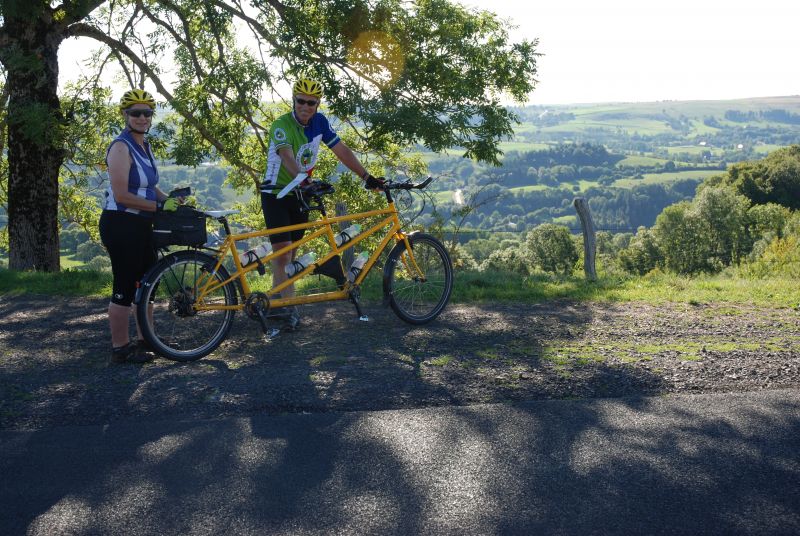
(703, 464)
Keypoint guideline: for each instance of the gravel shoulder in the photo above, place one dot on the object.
(53, 360)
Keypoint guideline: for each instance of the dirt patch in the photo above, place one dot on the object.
(53, 360)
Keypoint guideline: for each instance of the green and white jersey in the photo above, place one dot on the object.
(304, 141)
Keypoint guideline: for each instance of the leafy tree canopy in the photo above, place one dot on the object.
(397, 72)
(774, 179)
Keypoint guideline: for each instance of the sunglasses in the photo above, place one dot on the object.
(311, 102)
(139, 113)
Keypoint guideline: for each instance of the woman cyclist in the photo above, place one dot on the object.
(126, 223)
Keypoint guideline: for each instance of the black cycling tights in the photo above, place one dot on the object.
(129, 241)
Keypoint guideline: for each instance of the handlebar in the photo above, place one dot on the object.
(407, 185)
(316, 189)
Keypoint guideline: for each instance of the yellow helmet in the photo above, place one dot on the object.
(136, 96)
(307, 86)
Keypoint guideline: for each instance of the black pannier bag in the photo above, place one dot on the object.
(184, 226)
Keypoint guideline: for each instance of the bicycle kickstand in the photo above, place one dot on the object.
(354, 300)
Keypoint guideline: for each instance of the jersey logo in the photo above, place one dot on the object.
(280, 134)
(307, 158)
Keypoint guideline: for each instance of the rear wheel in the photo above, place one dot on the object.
(172, 316)
(418, 297)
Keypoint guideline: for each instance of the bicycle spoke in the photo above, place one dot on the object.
(421, 282)
(180, 328)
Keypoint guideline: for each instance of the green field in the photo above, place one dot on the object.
(659, 178)
(694, 150)
(508, 146)
(651, 118)
(633, 161)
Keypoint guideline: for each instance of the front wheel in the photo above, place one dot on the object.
(419, 285)
(180, 306)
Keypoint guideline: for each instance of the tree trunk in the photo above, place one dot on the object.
(35, 154)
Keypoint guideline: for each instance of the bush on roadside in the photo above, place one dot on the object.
(552, 248)
(101, 263)
(642, 254)
(89, 250)
(513, 260)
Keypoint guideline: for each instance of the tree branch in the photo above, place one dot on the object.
(186, 42)
(76, 10)
(86, 30)
(253, 23)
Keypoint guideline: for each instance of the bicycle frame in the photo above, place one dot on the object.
(321, 227)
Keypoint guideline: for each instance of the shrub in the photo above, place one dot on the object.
(100, 263)
(642, 254)
(462, 259)
(512, 260)
(767, 219)
(781, 257)
(89, 250)
(705, 235)
(552, 249)
(71, 237)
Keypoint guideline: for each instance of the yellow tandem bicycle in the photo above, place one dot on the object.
(185, 303)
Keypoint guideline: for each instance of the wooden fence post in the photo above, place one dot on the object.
(348, 255)
(589, 241)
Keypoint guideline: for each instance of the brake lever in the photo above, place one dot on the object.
(424, 183)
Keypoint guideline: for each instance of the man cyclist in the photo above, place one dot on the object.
(295, 140)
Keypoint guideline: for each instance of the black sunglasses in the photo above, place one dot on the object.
(311, 102)
(139, 113)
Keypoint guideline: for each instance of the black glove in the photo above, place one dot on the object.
(373, 183)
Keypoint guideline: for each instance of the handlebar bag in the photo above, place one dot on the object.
(184, 226)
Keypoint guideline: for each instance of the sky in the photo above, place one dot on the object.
(642, 51)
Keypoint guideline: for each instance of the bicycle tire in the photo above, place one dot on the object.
(413, 300)
(177, 331)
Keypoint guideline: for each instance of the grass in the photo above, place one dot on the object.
(65, 283)
(441, 361)
(632, 161)
(493, 286)
(654, 289)
(694, 149)
(563, 353)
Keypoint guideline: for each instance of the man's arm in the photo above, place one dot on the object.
(346, 157)
(287, 159)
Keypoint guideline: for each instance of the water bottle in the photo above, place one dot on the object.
(298, 265)
(252, 255)
(358, 264)
(348, 234)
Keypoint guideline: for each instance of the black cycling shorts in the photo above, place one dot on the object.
(129, 241)
(283, 212)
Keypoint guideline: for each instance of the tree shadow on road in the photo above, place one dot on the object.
(698, 464)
